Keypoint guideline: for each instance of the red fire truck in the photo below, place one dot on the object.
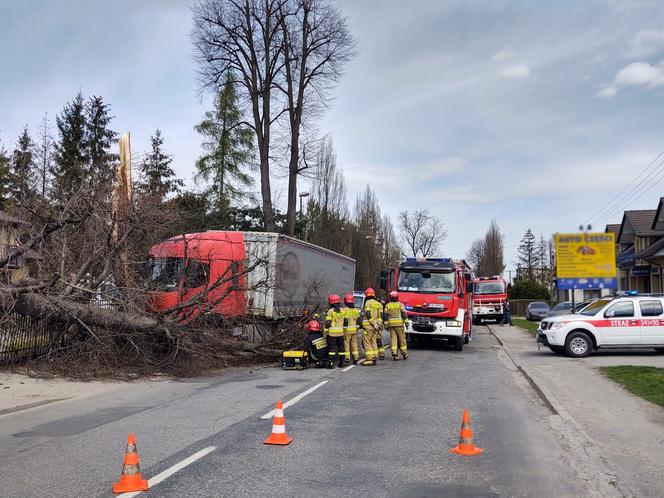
(489, 296)
(437, 295)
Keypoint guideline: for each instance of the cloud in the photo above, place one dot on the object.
(636, 74)
(518, 72)
(503, 55)
(647, 42)
(608, 92)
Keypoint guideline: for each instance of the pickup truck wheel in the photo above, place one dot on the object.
(557, 349)
(578, 345)
(458, 344)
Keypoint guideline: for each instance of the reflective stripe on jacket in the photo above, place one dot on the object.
(396, 312)
(352, 314)
(335, 322)
(373, 313)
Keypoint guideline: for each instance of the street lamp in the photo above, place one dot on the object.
(302, 196)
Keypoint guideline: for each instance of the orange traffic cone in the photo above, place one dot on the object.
(466, 445)
(279, 435)
(130, 479)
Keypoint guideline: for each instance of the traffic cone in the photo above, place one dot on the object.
(130, 479)
(279, 435)
(466, 445)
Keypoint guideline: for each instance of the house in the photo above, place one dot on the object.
(17, 268)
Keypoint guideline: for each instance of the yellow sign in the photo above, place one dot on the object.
(585, 255)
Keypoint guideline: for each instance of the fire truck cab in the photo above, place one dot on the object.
(437, 295)
(489, 296)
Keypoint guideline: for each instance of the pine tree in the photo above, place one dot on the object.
(159, 177)
(228, 146)
(69, 171)
(542, 261)
(527, 254)
(22, 174)
(4, 178)
(99, 139)
(44, 157)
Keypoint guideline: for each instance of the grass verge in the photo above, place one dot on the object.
(525, 324)
(646, 382)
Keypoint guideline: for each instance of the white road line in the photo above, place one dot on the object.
(297, 398)
(348, 368)
(172, 470)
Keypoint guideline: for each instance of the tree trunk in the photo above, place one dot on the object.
(292, 181)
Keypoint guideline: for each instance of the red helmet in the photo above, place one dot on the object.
(394, 295)
(349, 299)
(370, 292)
(333, 299)
(314, 326)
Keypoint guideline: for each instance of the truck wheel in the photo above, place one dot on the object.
(557, 349)
(578, 345)
(659, 350)
(458, 344)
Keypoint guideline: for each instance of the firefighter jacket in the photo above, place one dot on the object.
(353, 316)
(372, 315)
(395, 314)
(335, 322)
(316, 345)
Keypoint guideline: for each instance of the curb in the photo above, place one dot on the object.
(557, 408)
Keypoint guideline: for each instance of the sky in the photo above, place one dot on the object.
(533, 113)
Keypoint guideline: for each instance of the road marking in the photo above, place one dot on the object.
(172, 470)
(297, 398)
(348, 368)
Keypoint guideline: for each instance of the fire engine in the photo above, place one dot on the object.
(625, 321)
(489, 296)
(437, 295)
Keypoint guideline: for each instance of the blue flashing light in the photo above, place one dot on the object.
(632, 293)
(408, 308)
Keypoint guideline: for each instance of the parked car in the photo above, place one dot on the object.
(631, 321)
(564, 308)
(537, 311)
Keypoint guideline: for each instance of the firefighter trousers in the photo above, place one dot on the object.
(369, 341)
(335, 349)
(381, 346)
(350, 346)
(398, 341)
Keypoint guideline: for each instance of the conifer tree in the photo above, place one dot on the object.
(527, 254)
(4, 178)
(22, 175)
(228, 146)
(70, 163)
(99, 138)
(159, 179)
(44, 157)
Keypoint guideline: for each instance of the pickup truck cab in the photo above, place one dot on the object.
(625, 321)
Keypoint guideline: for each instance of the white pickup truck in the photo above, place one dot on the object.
(626, 321)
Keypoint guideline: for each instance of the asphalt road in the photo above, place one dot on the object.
(378, 431)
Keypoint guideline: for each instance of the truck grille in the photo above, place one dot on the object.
(427, 309)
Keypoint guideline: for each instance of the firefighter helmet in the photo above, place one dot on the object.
(394, 295)
(349, 299)
(314, 326)
(370, 292)
(333, 299)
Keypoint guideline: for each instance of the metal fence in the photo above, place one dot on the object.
(21, 338)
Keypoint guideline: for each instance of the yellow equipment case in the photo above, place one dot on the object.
(294, 360)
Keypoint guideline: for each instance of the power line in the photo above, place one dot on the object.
(631, 186)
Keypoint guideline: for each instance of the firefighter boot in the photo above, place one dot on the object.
(395, 357)
(355, 361)
(405, 355)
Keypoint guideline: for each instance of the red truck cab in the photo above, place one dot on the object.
(489, 297)
(437, 295)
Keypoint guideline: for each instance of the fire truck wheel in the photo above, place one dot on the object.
(578, 345)
(458, 344)
(477, 321)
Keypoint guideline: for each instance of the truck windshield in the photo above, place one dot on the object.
(164, 273)
(426, 282)
(489, 288)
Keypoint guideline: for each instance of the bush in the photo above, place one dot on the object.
(528, 289)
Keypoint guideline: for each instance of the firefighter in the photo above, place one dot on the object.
(379, 339)
(350, 338)
(395, 315)
(372, 326)
(315, 345)
(335, 326)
